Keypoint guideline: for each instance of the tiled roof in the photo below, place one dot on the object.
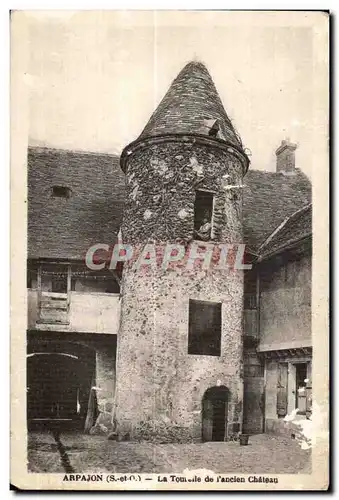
(190, 106)
(66, 228)
(268, 198)
(294, 228)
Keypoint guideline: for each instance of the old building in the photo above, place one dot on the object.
(73, 312)
(181, 352)
(285, 275)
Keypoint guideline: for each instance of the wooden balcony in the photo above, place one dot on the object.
(74, 312)
(53, 308)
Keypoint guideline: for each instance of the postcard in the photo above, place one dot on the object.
(169, 250)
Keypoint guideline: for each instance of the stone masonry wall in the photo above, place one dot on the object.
(159, 385)
(161, 185)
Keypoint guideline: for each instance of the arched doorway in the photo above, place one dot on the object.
(59, 379)
(214, 413)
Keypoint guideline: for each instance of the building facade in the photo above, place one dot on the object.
(179, 353)
(285, 274)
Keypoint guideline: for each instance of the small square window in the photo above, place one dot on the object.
(61, 191)
(204, 331)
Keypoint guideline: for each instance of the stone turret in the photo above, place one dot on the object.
(179, 353)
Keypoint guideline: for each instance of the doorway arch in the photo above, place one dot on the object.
(59, 378)
(215, 413)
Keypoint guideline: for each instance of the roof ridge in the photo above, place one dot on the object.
(283, 224)
(76, 151)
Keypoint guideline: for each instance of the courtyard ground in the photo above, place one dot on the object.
(75, 452)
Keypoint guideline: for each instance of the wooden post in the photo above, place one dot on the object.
(69, 277)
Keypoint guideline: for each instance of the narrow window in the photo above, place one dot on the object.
(204, 330)
(203, 212)
(61, 192)
(250, 289)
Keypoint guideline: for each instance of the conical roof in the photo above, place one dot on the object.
(192, 106)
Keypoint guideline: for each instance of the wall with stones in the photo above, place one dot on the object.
(161, 185)
(159, 385)
(158, 382)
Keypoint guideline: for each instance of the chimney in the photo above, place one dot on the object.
(286, 157)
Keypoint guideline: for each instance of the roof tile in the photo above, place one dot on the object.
(191, 99)
(60, 228)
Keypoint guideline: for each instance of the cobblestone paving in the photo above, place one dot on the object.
(265, 454)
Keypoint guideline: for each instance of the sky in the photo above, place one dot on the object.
(94, 78)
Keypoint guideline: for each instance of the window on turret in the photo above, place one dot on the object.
(212, 127)
(214, 130)
(204, 330)
(203, 214)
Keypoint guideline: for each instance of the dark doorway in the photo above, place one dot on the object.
(214, 414)
(58, 387)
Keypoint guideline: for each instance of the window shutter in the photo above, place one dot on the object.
(282, 389)
(309, 391)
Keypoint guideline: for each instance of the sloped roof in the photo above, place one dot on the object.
(189, 106)
(294, 228)
(268, 198)
(66, 228)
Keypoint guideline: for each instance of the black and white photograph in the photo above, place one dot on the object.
(171, 236)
